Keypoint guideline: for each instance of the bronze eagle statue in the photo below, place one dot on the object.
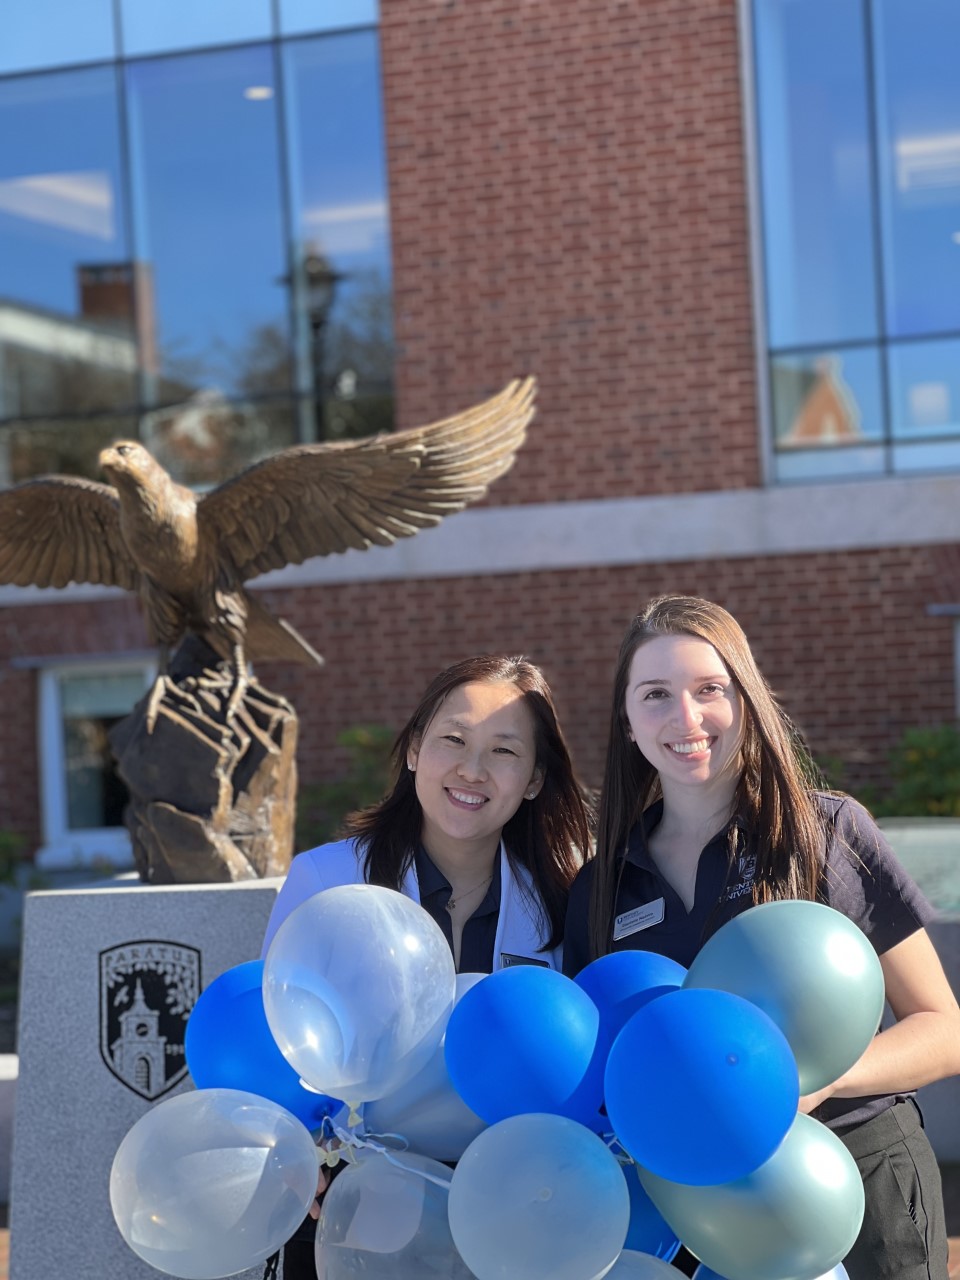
(187, 555)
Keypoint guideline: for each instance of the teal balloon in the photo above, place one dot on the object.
(808, 968)
(794, 1218)
(704, 1273)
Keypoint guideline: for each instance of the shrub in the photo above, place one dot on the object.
(925, 767)
(322, 806)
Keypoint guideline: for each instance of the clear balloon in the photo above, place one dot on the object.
(358, 984)
(811, 970)
(700, 1087)
(383, 1220)
(632, 1265)
(525, 1040)
(427, 1111)
(795, 1218)
(538, 1196)
(648, 1232)
(229, 1046)
(209, 1183)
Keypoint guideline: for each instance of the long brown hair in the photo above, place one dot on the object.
(777, 820)
(549, 835)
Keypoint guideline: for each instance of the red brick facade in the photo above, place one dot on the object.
(568, 198)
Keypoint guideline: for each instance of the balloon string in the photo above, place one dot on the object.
(349, 1140)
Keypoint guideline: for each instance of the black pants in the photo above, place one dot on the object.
(904, 1230)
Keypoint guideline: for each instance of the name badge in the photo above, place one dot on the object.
(507, 961)
(639, 918)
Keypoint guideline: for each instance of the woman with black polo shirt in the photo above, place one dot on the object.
(707, 809)
(484, 826)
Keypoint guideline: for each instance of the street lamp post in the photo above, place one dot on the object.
(321, 280)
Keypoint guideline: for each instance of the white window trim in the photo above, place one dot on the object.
(64, 849)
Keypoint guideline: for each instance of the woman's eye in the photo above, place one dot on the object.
(505, 751)
(452, 737)
(712, 689)
(654, 695)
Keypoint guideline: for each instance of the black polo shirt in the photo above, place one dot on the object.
(862, 879)
(479, 932)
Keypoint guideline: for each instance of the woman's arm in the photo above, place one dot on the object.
(302, 882)
(922, 1046)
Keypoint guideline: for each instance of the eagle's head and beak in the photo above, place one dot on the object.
(126, 463)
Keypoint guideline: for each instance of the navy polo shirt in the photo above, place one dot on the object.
(479, 932)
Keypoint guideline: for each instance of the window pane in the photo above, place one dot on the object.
(342, 287)
(925, 390)
(828, 413)
(208, 438)
(49, 33)
(66, 280)
(91, 706)
(69, 446)
(301, 16)
(918, 45)
(151, 27)
(815, 171)
(207, 210)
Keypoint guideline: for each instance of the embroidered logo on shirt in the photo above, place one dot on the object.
(742, 879)
(639, 918)
(507, 960)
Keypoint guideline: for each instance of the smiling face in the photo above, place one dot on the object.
(475, 764)
(685, 713)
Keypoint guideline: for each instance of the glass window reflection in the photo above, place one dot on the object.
(49, 33)
(208, 217)
(815, 171)
(828, 413)
(149, 27)
(299, 17)
(67, 289)
(341, 283)
(918, 42)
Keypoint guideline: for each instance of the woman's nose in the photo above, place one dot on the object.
(691, 717)
(471, 766)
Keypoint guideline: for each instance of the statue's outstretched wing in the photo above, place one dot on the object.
(60, 529)
(314, 500)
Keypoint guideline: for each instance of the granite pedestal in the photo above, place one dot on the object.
(108, 978)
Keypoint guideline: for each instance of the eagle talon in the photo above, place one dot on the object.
(157, 694)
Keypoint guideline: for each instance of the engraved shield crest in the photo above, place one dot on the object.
(147, 990)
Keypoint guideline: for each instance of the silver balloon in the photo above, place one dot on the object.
(383, 1220)
(358, 984)
(794, 1218)
(538, 1196)
(839, 1272)
(811, 970)
(212, 1182)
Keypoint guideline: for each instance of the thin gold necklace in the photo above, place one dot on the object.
(452, 901)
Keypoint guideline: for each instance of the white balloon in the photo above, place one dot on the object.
(538, 1196)
(212, 1182)
(358, 984)
(427, 1111)
(383, 1220)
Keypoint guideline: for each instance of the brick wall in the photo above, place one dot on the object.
(567, 199)
(844, 639)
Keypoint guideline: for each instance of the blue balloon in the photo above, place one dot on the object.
(648, 1231)
(525, 1040)
(624, 981)
(229, 1046)
(703, 1084)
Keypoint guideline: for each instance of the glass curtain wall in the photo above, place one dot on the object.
(858, 117)
(194, 232)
